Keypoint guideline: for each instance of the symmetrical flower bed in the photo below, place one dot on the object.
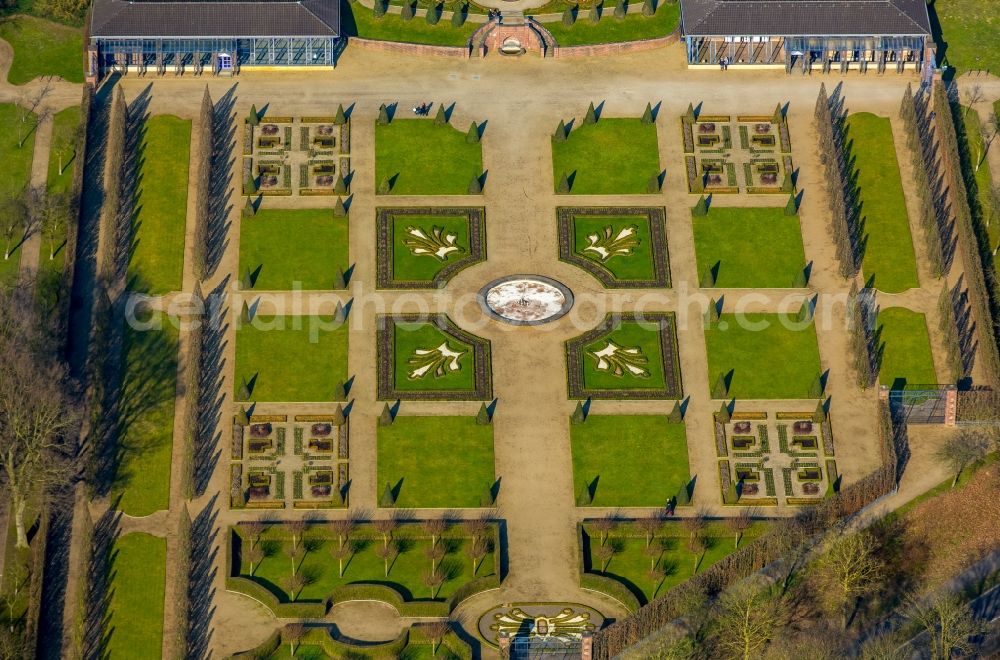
(623, 247)
(627, 355)
(424, 247)
(428, 357)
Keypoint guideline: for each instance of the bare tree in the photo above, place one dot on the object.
(433, 579)
(14, 220)
(435, 553)
(962, 449)
(293, 634)
(387, 553)
(949, 624)
(475, 527)
(988, 133)
(254, 556)
(740, 523)
(37, 416)
(605, 526)
(254, 528)
(51, 213)
(748, 619)
(883, 647)
(385, 527)
(478, 549)
(650, 526)
(848, 572)
(434, 527)
(294, 584)
(436, 631)
(342, 528)
(296, 528)
(340, 553)
(696, 546)
(695, 525)
(295, 554)
(973, 95)
(605, 553)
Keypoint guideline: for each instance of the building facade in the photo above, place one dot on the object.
(802, 34)
(219, 37)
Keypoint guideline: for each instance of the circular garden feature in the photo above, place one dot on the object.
(525, 299)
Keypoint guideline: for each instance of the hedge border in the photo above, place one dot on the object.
(609, 587)
(384, 251)
(385, 349)
(674, 388)
(654, 215)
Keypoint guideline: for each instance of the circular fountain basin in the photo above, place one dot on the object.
(525, 299)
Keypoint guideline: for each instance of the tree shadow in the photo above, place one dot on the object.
(220, 179)
(201, 576)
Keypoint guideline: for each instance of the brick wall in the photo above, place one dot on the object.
(527, 37)
(409, 49)
(616, 48)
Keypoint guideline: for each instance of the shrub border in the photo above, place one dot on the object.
(385, 349)
(674, 387)
(654, 215)
(475, 216)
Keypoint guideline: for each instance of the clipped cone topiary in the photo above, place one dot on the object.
(388, 499)
(242, 418)
(708, 279)
(385, 417)
(483, 416)
(568, 17)
(778, 116)
(379, 8)
(384, 187)
(791, 208)
(441, 118)
(339, 392)
(472, 136)
(683, 496)
(245, 316)
(701, 207)
(338, 415)
(584, 498)
(689, 116)
(578, 416)
(254, 117)
(713, 310)
(560, 134)
(720, 390)
(433, 14)
(341, 117)
(595, 14)
(250, 186)
(801, 279)
(246, 282)
(676, 415)
(486, 499)
(475, 187)
(591, 116)
(339, 280)
(647, 114)
(340, 187)
(339, 208)
(339, 314)
(820, 415)
(621, 9)
(732, 495)
(406, 12)
(244, 391)
(383, 115)
(564, 184)
(648, 9)
(724, 415)
(249, 210)
(786, 184)
(459, 15)
(816, 389)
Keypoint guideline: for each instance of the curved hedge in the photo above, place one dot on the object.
(304, 610)
(320, 636)
(609, 587)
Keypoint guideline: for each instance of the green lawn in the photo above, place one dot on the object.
(907, 348)
(754, 248)
(64, 130)
(42, 48)
(10, 267)
(300, 248)
(135, 625)
(436, 462)
(613, 156)
(294, 358)
(970, 32)
(889, 255)
(636, 265)
(302, 652)
(359, 21)
(628, 335)
(634, 27)
(16, 160)
(424, 267)
(364, 565)
(637, 460)
(772, 362)
(157, 260)
(411, 337)
(630, 564)
(149, 390)
(978, 156)
(426, 158)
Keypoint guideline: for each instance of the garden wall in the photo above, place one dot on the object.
(408, 48)
(620, 48)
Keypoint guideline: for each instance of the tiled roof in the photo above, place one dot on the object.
(205, 19)
(804, 17)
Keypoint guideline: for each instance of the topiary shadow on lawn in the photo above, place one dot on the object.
(617, 156)
(421, 157)
(282, 248)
